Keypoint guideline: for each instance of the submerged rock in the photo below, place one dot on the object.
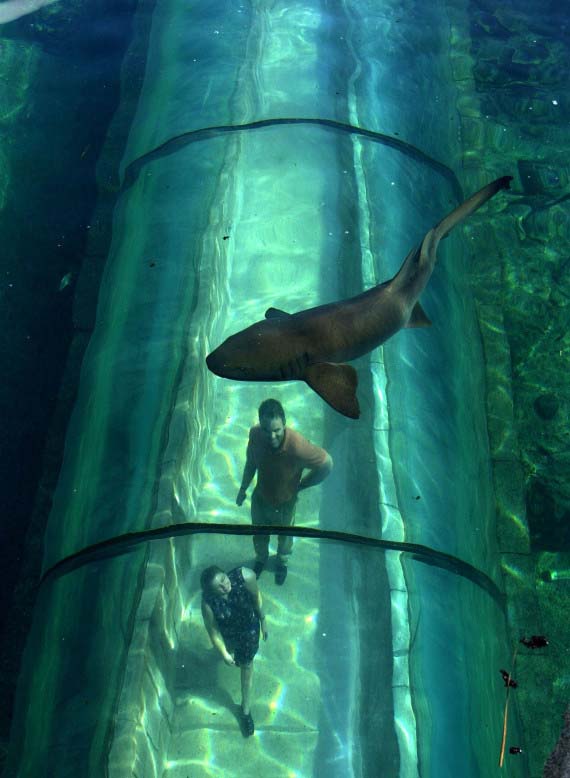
(558, 763)
(546, 406)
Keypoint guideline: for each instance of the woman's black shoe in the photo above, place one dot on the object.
(247, 726)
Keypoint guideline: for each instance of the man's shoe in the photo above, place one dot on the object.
(258, 568)
(247, 725)
(280, 574)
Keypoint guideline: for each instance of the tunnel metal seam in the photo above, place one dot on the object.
(123, 543)
(172, 145)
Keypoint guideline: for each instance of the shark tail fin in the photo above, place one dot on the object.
(418, 317)
(431, 241)
(336, 384)
(469, 206)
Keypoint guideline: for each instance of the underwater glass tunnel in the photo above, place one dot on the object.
(171, 170)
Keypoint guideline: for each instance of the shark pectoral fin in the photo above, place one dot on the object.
(419, 317)
(336, 384)
(276, 313)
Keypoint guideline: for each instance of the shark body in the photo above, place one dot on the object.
(313, 345)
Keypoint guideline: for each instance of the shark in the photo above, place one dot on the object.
(314, 345)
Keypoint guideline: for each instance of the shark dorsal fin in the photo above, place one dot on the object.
(276, 313)
(418, 318)
(336, 384)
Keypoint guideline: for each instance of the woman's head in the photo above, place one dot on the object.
(214, 581)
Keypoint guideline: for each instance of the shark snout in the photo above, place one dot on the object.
(214, 363)
(220, 363)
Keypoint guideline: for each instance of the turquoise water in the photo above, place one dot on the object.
(170, 171)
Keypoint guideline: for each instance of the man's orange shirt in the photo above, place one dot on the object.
(279, 471)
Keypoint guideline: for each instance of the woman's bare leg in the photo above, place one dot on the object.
(246, 683)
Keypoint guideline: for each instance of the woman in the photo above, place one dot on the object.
(232, 613)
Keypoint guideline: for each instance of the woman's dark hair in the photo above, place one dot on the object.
(271, 409)
(208, 576)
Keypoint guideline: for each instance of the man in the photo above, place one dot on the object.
(278, 455)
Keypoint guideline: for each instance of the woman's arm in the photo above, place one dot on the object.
(215, 634)
(251, 585)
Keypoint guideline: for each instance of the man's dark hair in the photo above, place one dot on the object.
(271, 409)
(208, 576)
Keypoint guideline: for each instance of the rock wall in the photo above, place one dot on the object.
(510, 68)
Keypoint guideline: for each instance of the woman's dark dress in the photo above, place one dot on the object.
(236, 619)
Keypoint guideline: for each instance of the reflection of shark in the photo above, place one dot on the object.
(309, 345)
(13, 9)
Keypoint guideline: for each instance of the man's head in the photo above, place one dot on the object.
(272, 422)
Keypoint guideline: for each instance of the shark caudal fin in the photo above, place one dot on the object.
(426, 256)
(470, 205)
(336, 384)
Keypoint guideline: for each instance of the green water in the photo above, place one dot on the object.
(168, 172)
